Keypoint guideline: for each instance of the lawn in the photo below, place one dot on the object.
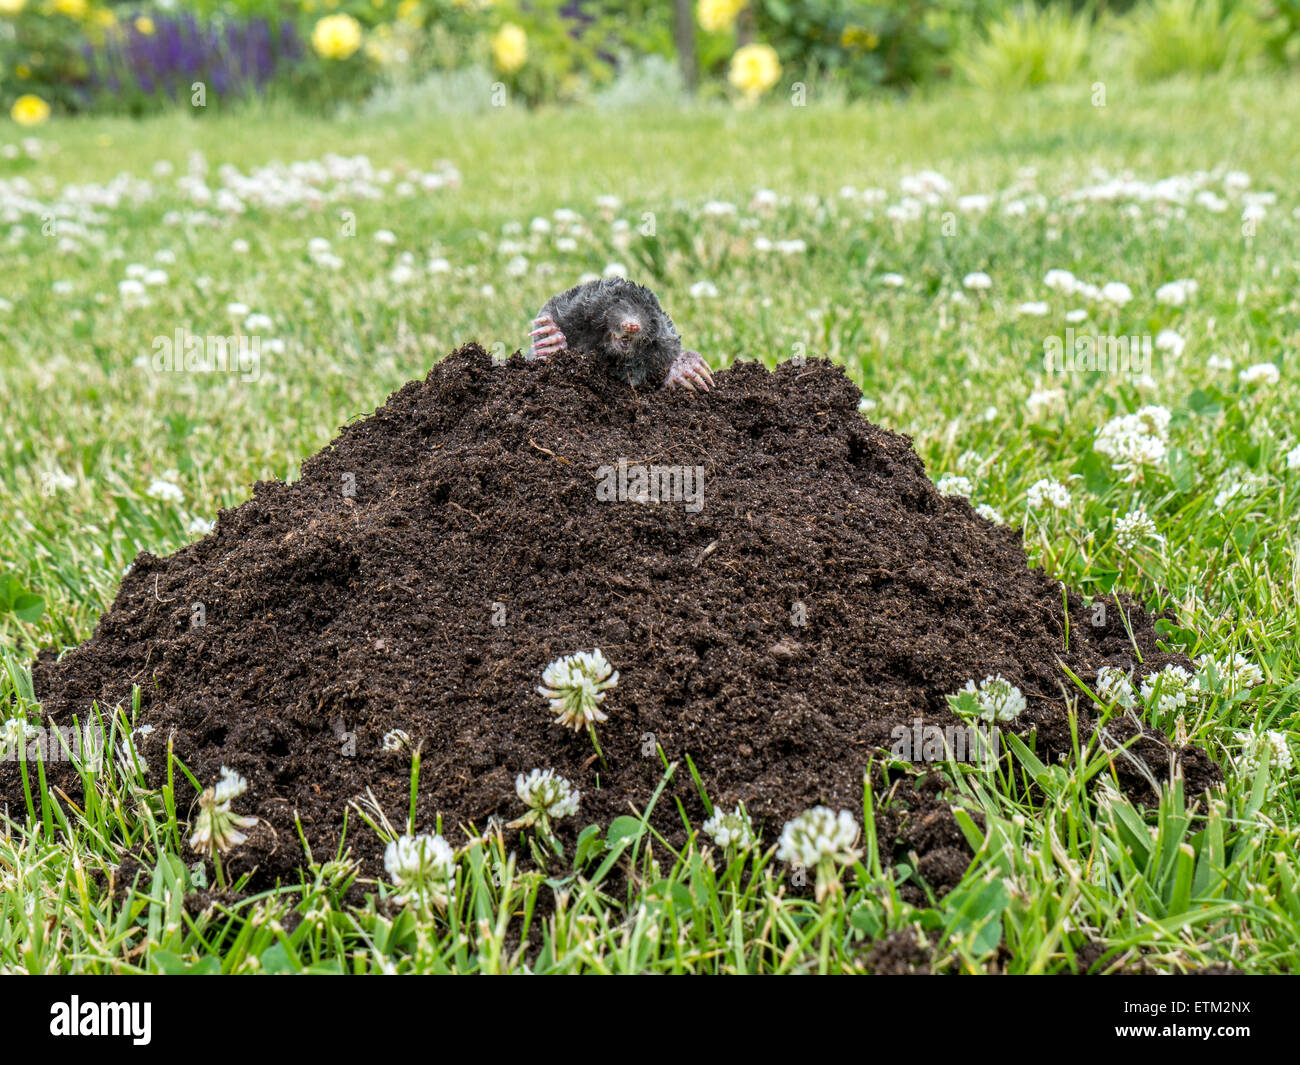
(918, 245)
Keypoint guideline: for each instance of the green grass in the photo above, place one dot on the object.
(1189, 882)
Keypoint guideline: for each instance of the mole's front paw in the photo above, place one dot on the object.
(547, 338)
(689, 370)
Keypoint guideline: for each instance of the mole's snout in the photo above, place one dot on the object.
(629, 328)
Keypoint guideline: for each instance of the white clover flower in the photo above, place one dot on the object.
(704, 290)
(1172, 689)
(1254, 746)
(576, 686)
(129, 750)
(57, 480)
(865, 406)
(1170, 341)
(424, 867)
(165, 491)
(1293, 458)
(200, 526)
(258, 323)
(1033, 309)
(1237, 673)
(1236, 483)
(1262, 373)
(230, 786)
(218, 827)
(823, 840)
(977, 280)
(989, 513)
(1048, 493)
(1133, 528)
(14, 734)
(718, 209)
(614, 270)
(728, 829)
(395, 740)
(238, 310)
(1176, 293)
(1114, 685)
(1062, 280)
(1135, 441)
(385, 236)
(548, 797)
(952, 484)
(1116, 292)
(892, 280)
(1044, 401)
(132, 293)
(1076, 316)
(997, 698)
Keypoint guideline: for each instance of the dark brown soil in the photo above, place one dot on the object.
(328, 614)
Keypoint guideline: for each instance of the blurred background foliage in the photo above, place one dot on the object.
(61, 56)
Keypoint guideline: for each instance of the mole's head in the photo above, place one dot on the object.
(627, 327)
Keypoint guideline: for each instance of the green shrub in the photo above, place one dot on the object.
(1029, 46)
(857, 46)
(1166, 37)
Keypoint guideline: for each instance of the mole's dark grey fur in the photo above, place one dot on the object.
(621, 323)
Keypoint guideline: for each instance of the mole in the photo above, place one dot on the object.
(622, 324)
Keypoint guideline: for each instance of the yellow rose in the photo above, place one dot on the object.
(71, 8)
(144, 26)
(510, 48)
(718, 16)
(12, 7)
(336, 36)
(29, 110)
(755, 69)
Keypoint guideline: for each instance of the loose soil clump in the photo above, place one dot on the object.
(438, 554)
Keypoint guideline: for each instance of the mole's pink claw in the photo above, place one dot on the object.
(547, 338)
(689, 370)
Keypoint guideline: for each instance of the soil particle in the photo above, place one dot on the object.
(438, 554)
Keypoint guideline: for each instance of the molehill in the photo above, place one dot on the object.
(437, 555)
